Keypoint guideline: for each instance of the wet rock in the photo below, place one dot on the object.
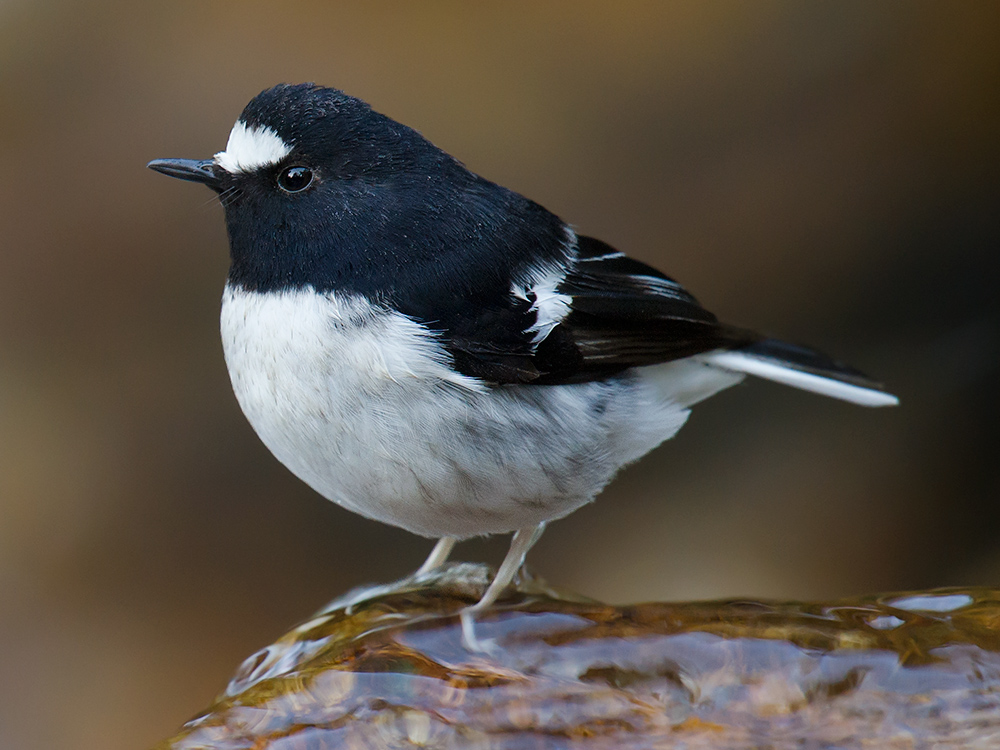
(385, 667)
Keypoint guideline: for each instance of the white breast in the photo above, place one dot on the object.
(360, 403)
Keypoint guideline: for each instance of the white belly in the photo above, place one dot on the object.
(359, 403)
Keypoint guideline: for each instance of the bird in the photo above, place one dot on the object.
(434, 351)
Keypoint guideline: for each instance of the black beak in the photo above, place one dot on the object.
(192, 170)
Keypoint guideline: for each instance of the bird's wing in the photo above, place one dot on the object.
(604, 312)
(600, 314)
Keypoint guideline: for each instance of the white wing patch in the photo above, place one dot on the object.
(606, 256)
(250, 148)
(655, 285)
(549, 305)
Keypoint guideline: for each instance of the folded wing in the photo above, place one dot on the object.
(605, 313)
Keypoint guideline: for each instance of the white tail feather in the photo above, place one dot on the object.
(769, 369)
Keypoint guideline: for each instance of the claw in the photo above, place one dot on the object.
(488, 646)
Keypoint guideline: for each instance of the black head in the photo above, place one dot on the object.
(321, 190)
(294, 125)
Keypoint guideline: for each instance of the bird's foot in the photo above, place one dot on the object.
(470, 641)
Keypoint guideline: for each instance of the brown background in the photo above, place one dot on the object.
(824, 171)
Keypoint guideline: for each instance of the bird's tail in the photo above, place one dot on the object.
(802, 368)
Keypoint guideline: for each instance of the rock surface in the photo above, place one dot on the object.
(385, 667)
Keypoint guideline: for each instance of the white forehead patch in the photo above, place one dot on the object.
(250, 148)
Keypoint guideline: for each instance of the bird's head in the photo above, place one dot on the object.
(308, 169)
(291, 140)
(320, 190)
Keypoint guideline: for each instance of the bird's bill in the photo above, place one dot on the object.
(192, 170)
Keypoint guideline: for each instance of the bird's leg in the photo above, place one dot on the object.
(438, 555)
(519, 546)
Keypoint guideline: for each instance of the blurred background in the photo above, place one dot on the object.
(825, 171)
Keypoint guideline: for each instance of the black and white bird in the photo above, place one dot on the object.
(429, 349)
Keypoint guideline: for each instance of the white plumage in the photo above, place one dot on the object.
(770, 370)
(361, 404)
(251, 147)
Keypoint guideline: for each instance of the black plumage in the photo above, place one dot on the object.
(396, 219)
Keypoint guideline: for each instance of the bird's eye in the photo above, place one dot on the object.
(295, 179)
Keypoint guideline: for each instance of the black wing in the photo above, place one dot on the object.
(621, 313)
